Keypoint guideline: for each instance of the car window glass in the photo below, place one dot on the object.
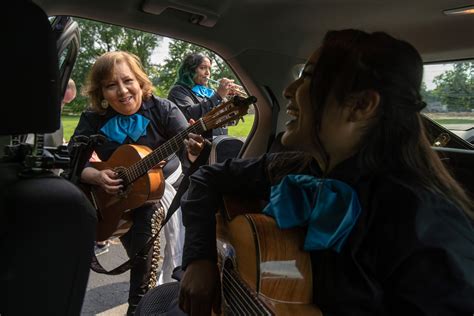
(448, 90)
(160, 56)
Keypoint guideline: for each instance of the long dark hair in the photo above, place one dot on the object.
(187, 70)
(352, 61)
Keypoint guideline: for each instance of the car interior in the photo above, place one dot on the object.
(264, 42)
(40, 212)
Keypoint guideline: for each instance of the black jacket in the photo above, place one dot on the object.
(411, 251)
(195, 107)
(166, 120)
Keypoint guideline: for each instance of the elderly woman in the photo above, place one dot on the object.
(406, 244)
(125, 111)
(192, 94)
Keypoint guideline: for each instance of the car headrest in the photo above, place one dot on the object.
(31, 76)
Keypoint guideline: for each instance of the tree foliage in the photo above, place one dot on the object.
(98, 38)
(455, 87)
(178, 50)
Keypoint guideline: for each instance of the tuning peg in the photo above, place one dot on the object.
(242, 118)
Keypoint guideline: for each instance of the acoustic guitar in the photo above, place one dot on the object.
(264, 269)
(143, 180)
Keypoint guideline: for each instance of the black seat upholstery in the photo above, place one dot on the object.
(224, 147)
(47, 226)
(32, 68)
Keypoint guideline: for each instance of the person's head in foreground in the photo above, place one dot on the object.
(359, 93)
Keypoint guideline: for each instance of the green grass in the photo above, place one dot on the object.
(69, 124)
(455, 121)
(242, 129)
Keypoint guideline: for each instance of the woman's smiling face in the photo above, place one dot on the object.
(334, 129)
(300, 128)
(122, 90)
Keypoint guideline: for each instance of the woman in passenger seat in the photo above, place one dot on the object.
(404, 243)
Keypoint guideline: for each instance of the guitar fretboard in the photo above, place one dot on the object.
(171, 146)
(224, 113)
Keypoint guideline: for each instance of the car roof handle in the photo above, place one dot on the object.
(206, 13)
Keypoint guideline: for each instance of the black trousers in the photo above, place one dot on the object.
(133, 241)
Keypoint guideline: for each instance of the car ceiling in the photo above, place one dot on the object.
(263, 39)
(288, 27)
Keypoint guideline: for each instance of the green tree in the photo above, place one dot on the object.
(455, 87)
(427, 95)
(178, 50)
(98, 38)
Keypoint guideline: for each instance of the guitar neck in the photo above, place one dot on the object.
(170, 147)
(224, 113)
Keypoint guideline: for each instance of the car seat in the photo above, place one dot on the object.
(225, 147)
(47, 225)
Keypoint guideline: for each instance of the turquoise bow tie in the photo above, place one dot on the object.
(328, 207)
(203, 91)
(121, 126)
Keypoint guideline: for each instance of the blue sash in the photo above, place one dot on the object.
(203, 91)
(328, 207)
(121, 126)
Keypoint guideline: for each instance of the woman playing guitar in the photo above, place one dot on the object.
(125, 111)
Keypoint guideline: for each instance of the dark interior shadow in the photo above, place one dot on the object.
(103, 298)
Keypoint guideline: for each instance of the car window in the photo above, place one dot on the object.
(448, 90)
(160, 56)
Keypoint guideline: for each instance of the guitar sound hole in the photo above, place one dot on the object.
(127, 186)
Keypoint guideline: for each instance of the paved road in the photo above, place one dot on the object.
(107, 295)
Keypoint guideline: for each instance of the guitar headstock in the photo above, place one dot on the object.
(227, 112)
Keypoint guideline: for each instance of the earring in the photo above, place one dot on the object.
(104, 104)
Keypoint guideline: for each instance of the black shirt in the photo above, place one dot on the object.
(166, 120)
(411, 251)
(194, 106)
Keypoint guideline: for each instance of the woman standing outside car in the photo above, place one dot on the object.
(125, 111)
(192, 94)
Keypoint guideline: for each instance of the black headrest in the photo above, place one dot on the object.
(31, 76)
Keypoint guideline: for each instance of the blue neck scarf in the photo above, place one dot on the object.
(203, 91)
(121, 126)
(328, 207)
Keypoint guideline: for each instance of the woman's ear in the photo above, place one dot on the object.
(363, 105)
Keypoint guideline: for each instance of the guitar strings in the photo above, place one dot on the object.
(139, 168)
(241, 302)
(238, 289)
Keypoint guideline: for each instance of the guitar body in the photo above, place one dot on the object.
(113, 220)
(264, 269)
(136, 164)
